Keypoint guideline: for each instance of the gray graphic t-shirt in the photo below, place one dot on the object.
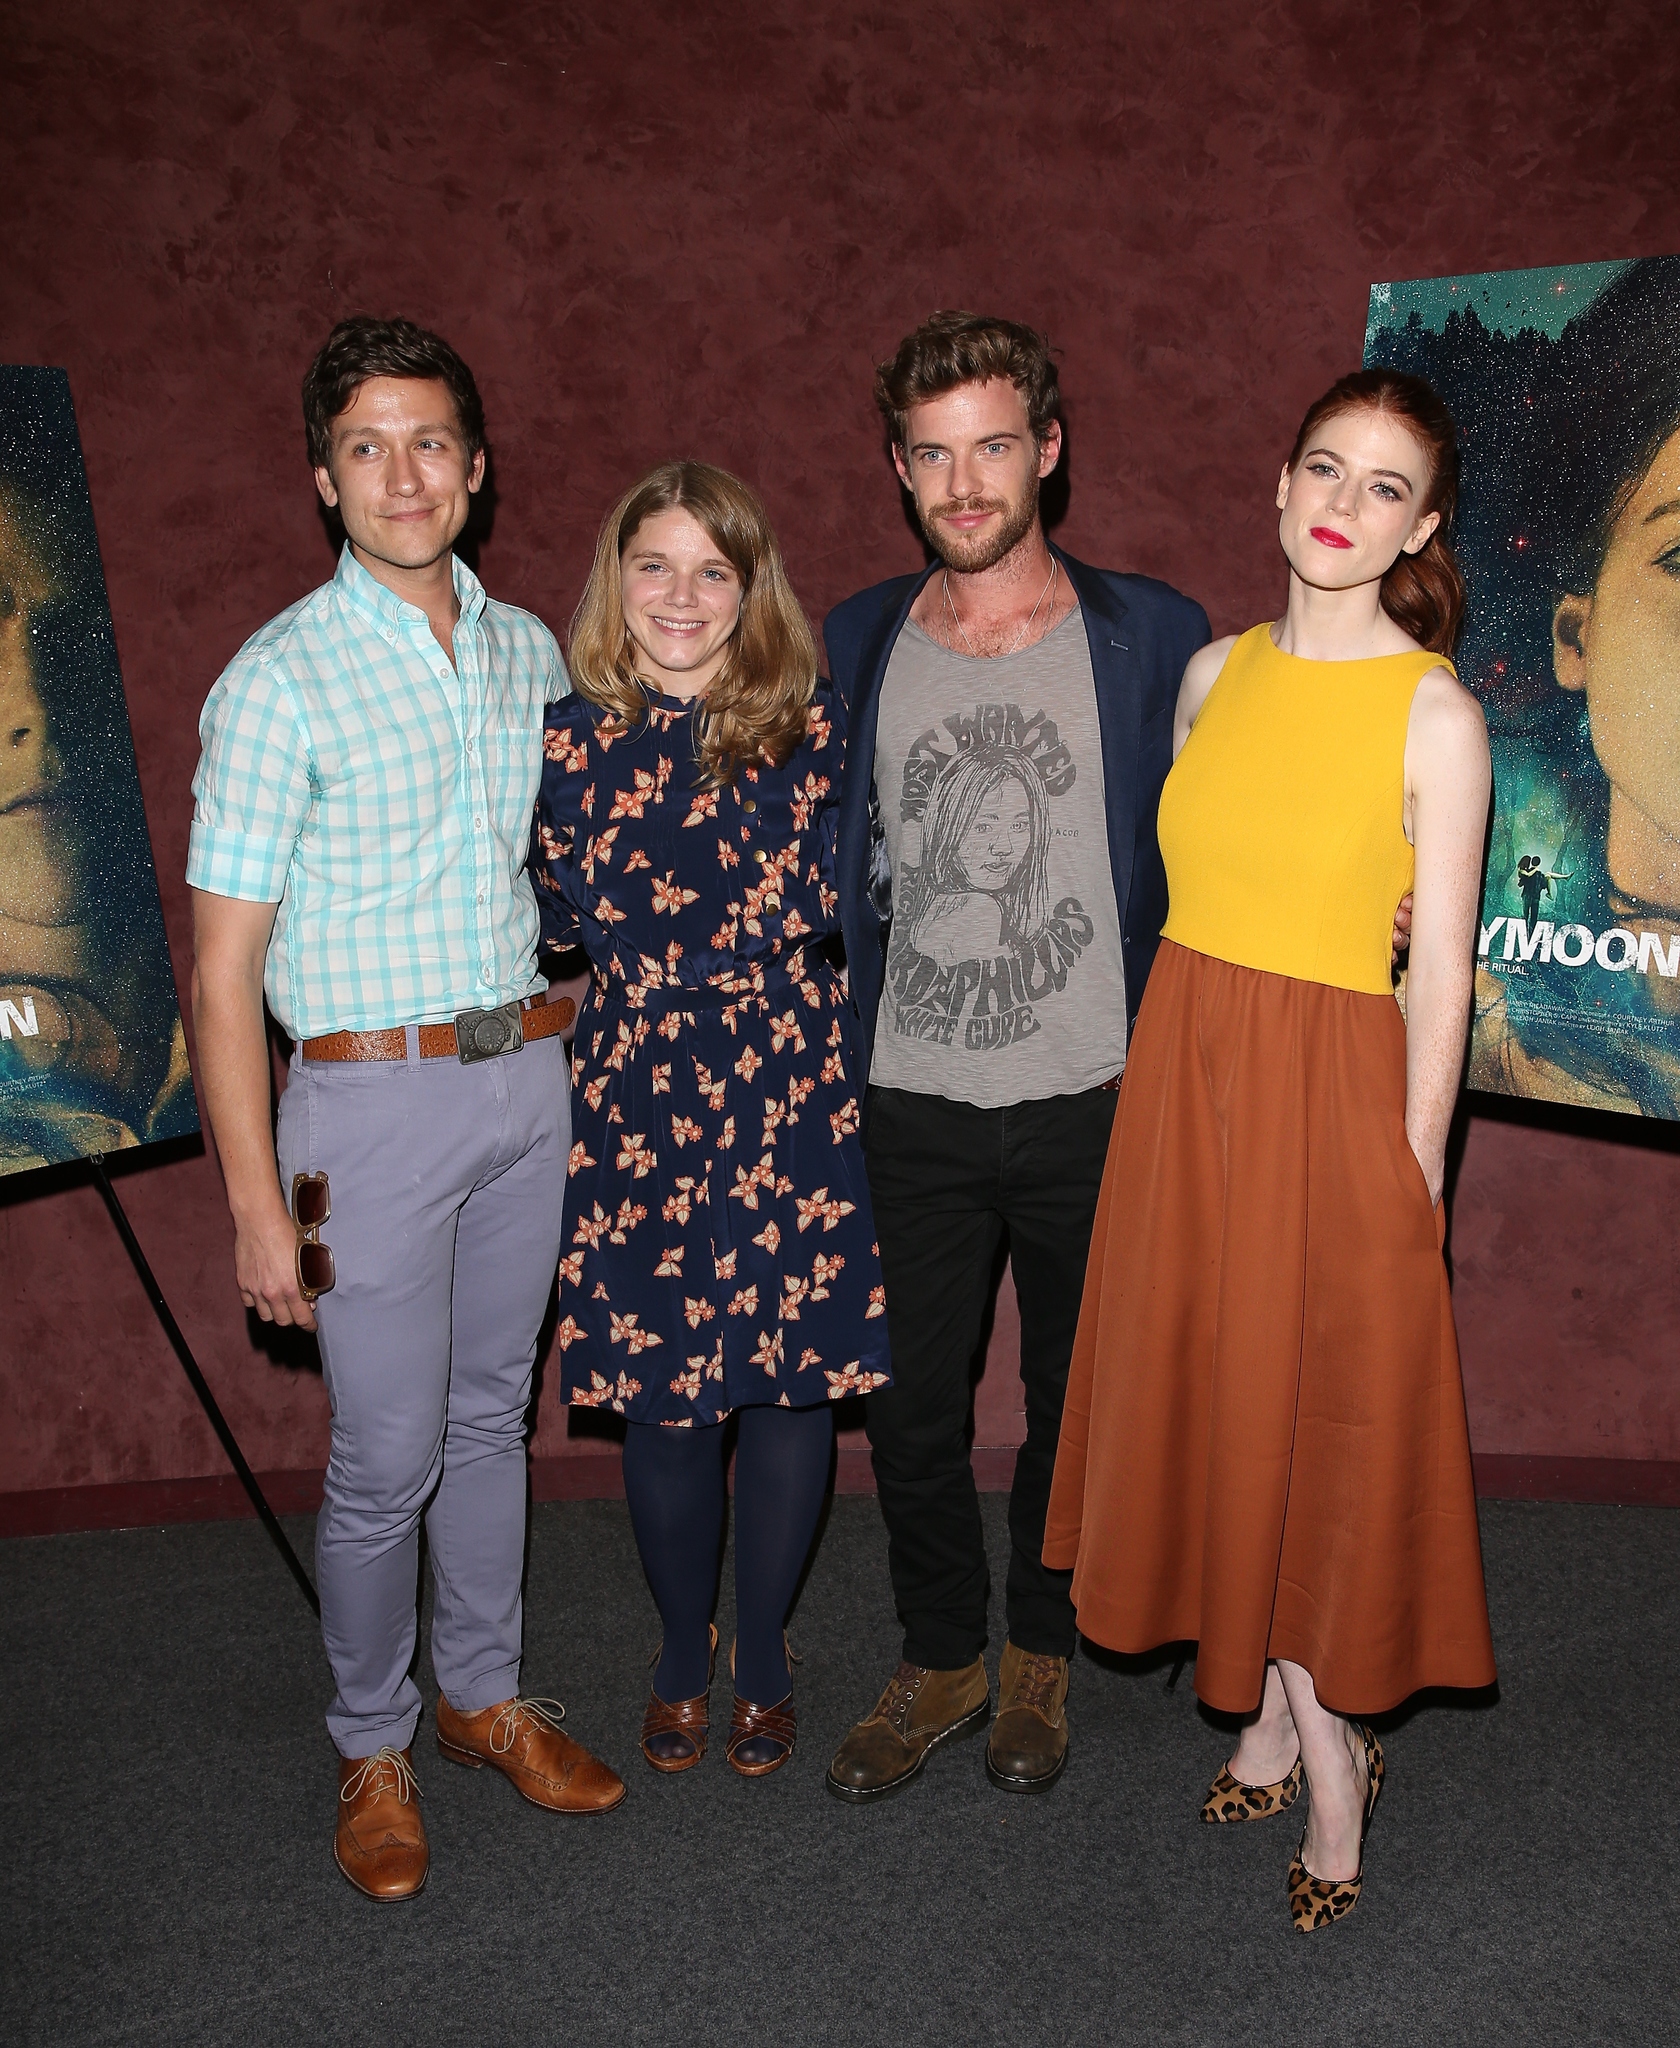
(1005, 981)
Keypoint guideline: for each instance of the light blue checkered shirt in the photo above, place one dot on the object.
(383, 799)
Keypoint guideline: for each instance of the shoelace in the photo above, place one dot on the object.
(546, 1714)
(1037, 1681)
(375, 1767)
(900, 1696)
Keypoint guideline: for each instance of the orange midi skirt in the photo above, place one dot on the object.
(1264, 1447)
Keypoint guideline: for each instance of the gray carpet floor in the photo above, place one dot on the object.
(168, 1792)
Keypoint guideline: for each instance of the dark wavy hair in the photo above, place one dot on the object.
(952, 349)
(1423, 593)
(363, 347)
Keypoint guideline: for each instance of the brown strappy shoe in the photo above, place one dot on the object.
(674, 1731)
(1316, 1901)
(770, 1729)
(1229, 1799)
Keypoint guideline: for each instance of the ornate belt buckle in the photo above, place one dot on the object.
(487, 1034)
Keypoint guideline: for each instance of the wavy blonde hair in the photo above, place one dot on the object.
(756, 706)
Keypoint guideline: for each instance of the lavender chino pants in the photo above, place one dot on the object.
(446, 1183)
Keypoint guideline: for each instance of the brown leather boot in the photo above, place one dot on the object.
(1029, 1739)
(919, 1710)
(380, 1842)
(523, 1740)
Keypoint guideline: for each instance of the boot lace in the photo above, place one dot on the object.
(372, 1775)
(895, 1703)
(1036, 1682)
(517, 1715)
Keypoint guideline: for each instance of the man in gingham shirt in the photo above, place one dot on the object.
(362, 820)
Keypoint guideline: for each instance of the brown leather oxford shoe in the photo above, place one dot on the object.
(1029, 1739)
(919, 1710)
(523, 1740)
(380, 1842)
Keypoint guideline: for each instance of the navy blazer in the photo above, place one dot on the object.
(1142, 633)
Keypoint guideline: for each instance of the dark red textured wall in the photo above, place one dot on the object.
(691, 230)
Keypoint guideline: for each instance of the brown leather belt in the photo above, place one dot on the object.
(1115, 1083)
(538, 1018)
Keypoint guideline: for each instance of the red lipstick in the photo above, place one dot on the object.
(1329, 537)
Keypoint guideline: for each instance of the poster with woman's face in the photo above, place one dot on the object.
(1565, 384)
(92, 1055)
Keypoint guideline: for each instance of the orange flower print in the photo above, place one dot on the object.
(598, 853)
(795, 1287)
(572, 755)
(669, 1025)
(637, 860)
(599, 1292)
(793, 927)
(823, 1270)
(877, 1303)
(714, 1091)
(591, 1229)
(629, 1215)
(748, 1064)
(697, 1309)
(629, 803)
(799, 1090)
(670, 895)
(817, 1208)
(579, 1159)
(634, 1157)
(726, 1137)
(808, 1357)
(626, 1332)
(850, 1380)
(571, 1270)
(685, 1131)
(714, 1364)
(769, 1352)
(769, 1237)
(605, 911)
(827, 897)
(833, 1069)
(595, 1090)
(605, 1393)
(725, 1266)
(785, 1031)
(689, 1382)
(748, 1181)
(727, 856)
(745, 1302)
(678, 1207)
(569, 1334)
(844, 1119)
(775, 1115)
(701, 806)
(670, 1266)
(835, 1038)
(662, 1079)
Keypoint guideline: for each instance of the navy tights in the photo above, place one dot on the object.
(674, 1478)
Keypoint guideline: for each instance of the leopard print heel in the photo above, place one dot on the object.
(1315, 1901)
(1230, 1800)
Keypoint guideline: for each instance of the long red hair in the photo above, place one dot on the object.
(1423, 593)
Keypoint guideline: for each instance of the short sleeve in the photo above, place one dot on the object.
(251, 793)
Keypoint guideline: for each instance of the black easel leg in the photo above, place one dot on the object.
(189, 1364)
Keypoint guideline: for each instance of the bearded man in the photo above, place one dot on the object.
(1002, 896)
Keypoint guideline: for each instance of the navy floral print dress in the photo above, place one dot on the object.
(720, 1250)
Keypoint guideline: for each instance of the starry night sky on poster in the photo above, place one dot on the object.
(105, 1065)
(1565, 384)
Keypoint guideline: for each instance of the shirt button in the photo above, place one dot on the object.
(760, 856)
(749, 805)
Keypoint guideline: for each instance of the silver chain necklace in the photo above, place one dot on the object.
(945, 588)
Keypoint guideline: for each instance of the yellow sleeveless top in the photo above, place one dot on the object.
(1280, 823)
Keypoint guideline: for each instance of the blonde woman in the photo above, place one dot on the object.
(720, 1255)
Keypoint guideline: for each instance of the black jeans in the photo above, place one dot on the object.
(947, 1180)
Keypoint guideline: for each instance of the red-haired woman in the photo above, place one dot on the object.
(720, 1256)
(1264, 1446)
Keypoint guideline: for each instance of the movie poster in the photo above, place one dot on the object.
(92, 1056)
(1566, 387)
